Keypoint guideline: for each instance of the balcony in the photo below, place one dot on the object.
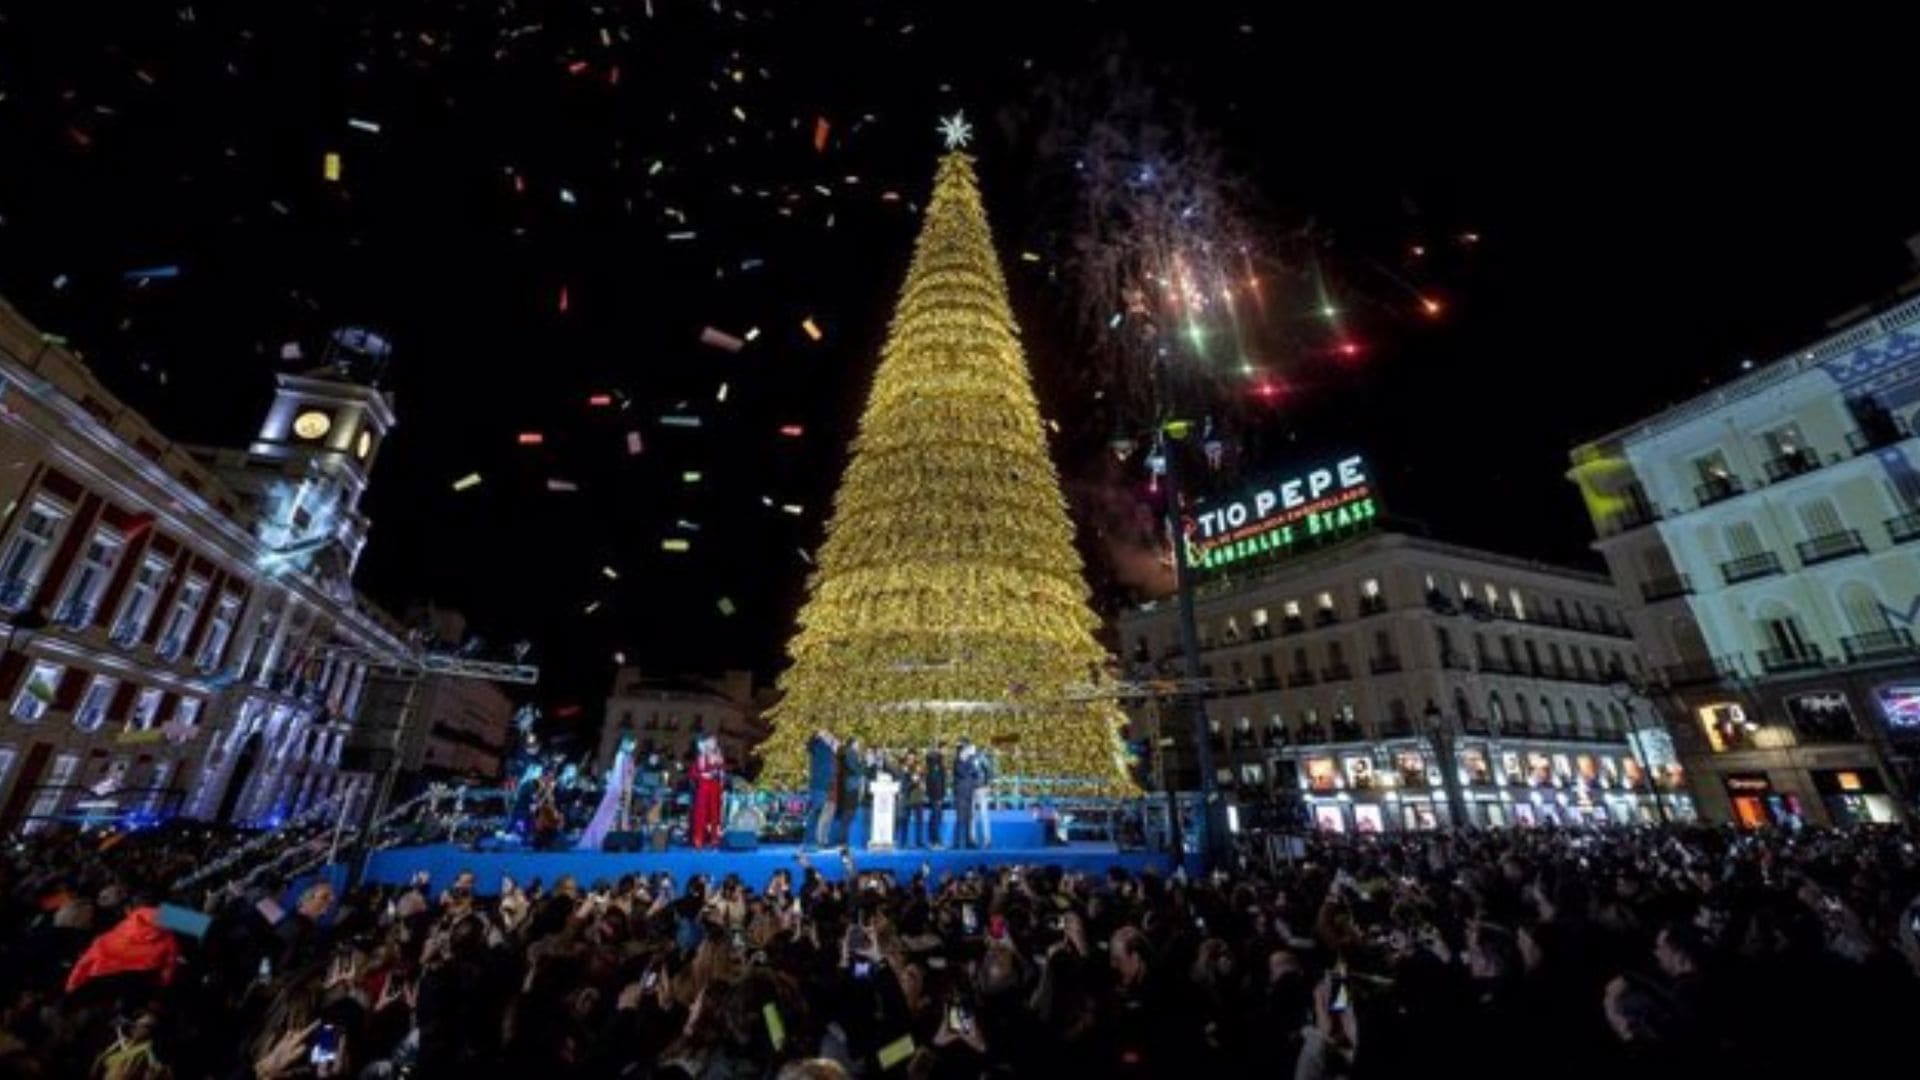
(1372, 605)
(1454, 660)
(1750, 567)
(1791, 464)
(1292, 625)
(170, 648)
(1496, 665)
(1878, 645)
(1301, 677)
(1326, 616)
(1384, 665)
(1717, 489)
(1666, 587)
(1632, 516)
(1339, 672)
(1441, 603)
(126, 633)
(1790, 658)
(1903, 528)
(1831, 546)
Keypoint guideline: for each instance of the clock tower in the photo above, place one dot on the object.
(315, 451)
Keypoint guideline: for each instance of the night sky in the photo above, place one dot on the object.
(1650, 208)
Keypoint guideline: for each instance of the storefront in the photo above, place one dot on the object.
(1854, 796)
(1756, 804)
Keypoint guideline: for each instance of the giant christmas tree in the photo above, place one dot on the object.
(948, 600)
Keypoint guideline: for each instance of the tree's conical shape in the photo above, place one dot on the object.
(948, 599)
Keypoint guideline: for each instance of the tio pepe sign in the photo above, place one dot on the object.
(1279, 516)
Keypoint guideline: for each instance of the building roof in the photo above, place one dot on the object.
(1845, 346)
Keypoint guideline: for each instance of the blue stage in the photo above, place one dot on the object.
(396, 866)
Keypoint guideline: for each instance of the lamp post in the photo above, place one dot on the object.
(1624, 691)
(1213, 814)
(1440, 735)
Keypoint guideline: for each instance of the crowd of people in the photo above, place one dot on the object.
(1629, 953)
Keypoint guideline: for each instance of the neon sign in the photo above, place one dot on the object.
(1277, 517)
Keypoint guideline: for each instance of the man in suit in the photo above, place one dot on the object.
(966, 780)
(853, 783)
(936, 783)
(910, 830)
(820, 789)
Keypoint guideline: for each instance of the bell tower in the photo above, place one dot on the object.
(315, 452)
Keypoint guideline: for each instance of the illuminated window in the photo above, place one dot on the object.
(92, 711)
(1433, 584)
(1726, 726)
(1514, 601)
(1466, 590)
(139, 603)
(1493, 595)
(1370, 588)
(1326, 601)
(1259, 616)
(89, 579)
(145, 708)
(1291, 609)
(36, 694)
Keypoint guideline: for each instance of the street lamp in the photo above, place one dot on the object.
(1625, 689)
(1440, 735)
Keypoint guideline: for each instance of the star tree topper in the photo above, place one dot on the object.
(956, 130)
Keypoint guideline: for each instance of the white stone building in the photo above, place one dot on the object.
(1764, 535)
(665, 713)
(181, 635)
(1355, 671)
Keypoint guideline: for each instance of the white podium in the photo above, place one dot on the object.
(880, 823)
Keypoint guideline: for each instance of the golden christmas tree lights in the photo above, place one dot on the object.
(948, 599)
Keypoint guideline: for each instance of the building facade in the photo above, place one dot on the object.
(181, 632)
(1400, 683)
(1764, 537)
(665, 715)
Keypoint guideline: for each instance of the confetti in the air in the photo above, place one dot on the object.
(720, 339)
(812, 328)
(726, 605)
(562, 485)
(330, 167)
(634, 445)
(676, 543)
(471, 480)
(531, 438)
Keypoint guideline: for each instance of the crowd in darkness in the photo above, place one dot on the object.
(1628, 954)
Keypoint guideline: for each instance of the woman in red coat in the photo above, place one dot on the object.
(709, 781)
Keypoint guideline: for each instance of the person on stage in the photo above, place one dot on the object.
(616, 802)
(821, 753)
(966, 784)
(982, 820)
(547, 817)
(709, 782)
(911, 830)
(853, 782)
(936, 783)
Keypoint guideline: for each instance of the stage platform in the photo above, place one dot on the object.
(443, 861)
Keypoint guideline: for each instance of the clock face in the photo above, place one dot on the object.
(312, 424)
(365, 444)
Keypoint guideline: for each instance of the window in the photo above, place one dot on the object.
(1507, 652)
(1370, 588)
(20, 559)
(36, 694)
(139, 603)
(219, 631)
(1572, 717)
(1819, 517)
(1533, 656)
(1743, 540)
(1258, 617)
(89, 579)
(1326, 601)
(186, 608)
(1493, 595)
(7, 757)
(186, 714)
(1712, 468)
(1559, 660)
(1336, 656)
(1519, 606)
(1291, 609)
(156, 786)
(1496, 711)
(93, 704)
(1863, 609)
(145, 708)
(1526, 714)
(1466, 590)
(54, 790)
(1594, 720)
